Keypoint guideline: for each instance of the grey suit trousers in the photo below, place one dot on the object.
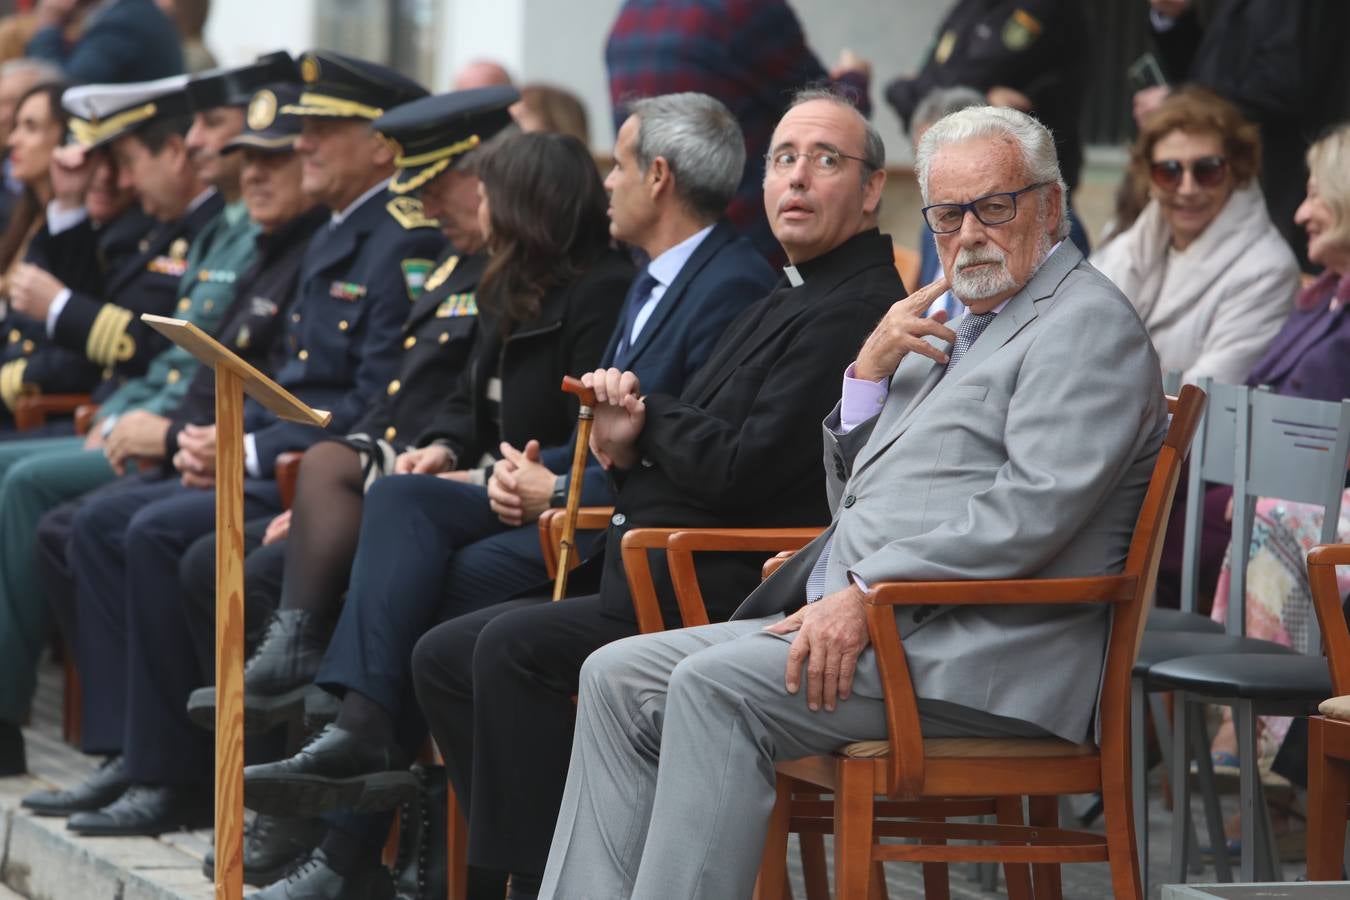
(676, 738)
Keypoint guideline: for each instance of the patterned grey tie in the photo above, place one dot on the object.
(815, 582)
(972, 326)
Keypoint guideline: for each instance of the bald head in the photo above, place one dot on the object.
(480, 73)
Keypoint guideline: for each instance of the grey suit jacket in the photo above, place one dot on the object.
(1029, 460)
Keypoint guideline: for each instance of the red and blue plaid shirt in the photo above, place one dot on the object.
(750, 54)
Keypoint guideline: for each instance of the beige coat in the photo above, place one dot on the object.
(1211, 310)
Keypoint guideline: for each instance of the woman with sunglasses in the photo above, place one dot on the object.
(1203, 264)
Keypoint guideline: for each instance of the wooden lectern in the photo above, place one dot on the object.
(234, 378)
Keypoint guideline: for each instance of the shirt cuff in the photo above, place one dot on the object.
(60, 218)
(252, 465)
(54, 311)
(857, 580)
(1160, 22)
(861, 400)
(106, 426)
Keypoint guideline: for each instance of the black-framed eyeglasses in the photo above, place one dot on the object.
(823, 162)
(1208, 172)
(991, 209)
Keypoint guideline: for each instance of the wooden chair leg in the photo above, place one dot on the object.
(772, 881)
(1328, 793)
(876, 884)
(815, 874)
(853, 829)
(457, 847)
(1044, 811)
(70, 700)
(936, 876)
(1008, 811)
(1118, 814)
(389, 856)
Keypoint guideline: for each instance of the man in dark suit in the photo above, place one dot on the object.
(120, 40)
(677, 164)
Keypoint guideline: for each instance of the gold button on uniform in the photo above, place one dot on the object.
(295, 317)
(390, 433)
(173, 376)
(445, 336)
(15, 336)
(185, 304)
(27, 346)
(394, 386)
(303, 354)
(409, 342)
(342, 326)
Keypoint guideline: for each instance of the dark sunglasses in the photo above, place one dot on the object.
(1208, 172)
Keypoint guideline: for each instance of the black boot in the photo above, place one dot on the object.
(102, 787)
(421, 870)
(272, 847)
(278, 674)
(12, 758)
(336, 770)
(315, 879)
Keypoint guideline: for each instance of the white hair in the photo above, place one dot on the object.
(1037, 146)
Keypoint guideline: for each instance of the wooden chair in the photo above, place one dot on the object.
(1328, 738)
(908, 767)
(32, 410)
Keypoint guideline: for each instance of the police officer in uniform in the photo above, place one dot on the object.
(87, 332)
(437, 138)
(359, 274)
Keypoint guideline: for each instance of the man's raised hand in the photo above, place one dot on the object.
(903, 330)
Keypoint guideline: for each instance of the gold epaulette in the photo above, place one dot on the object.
(407, 211)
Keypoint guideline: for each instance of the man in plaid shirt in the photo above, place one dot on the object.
(750, 54)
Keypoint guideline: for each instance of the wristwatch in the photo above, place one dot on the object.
(559, 496)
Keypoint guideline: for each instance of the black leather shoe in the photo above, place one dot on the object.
(12, 758)
(314, 879)
(421, 869)
(277, 675)
(146, 810)
(102, 787)
(336, 770)
(272, 847)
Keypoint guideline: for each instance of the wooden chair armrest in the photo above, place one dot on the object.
(32, 410)
(687, 541)
(589, 518)
(287, 473)
(905, 764)
(84, 417)
(682, 546)
(1103, 589)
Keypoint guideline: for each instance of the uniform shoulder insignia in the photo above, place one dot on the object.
(407, 211)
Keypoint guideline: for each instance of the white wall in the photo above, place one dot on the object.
(563, 41)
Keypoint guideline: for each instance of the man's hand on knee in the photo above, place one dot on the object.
(831, 635)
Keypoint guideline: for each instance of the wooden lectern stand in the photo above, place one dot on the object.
(234, 378)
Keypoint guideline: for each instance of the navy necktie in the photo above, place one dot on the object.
(637, 298)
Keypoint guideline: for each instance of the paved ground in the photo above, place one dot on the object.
(39, 859)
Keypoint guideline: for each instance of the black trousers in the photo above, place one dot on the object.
(497, 688)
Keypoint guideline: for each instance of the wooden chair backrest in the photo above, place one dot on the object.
(1326, 595)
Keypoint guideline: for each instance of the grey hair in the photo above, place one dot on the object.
(700, 140)
(1037, 146)
(874, 148)
(44, 70)
(939, 103)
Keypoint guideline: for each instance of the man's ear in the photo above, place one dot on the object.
(872, 190)
(659, 177)
(382, 150)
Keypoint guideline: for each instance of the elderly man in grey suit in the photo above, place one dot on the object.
(1017, 446)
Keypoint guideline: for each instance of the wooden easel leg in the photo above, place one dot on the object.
(229, 635)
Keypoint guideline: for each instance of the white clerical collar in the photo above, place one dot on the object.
(793, 276)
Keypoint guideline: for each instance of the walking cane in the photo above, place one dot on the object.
(585, 417)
